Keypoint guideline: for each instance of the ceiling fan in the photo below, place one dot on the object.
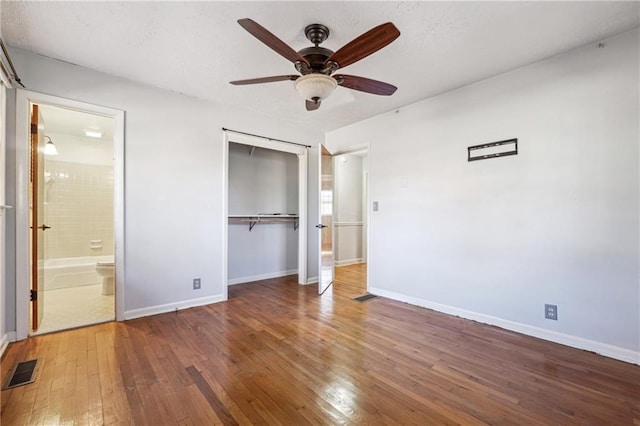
(317, 64)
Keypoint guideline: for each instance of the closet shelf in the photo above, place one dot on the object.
(254, 219)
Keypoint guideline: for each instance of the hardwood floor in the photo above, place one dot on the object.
(350, 281)
(277, 353)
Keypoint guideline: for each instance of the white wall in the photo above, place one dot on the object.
(348, 220)
(263, 182)
(495, 240)
(173, 179)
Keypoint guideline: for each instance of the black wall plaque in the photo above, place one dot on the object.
(493, 150)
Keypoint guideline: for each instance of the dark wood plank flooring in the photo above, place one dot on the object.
(277, 353)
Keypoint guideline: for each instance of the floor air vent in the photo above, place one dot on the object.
(23, 373)
(365, 297)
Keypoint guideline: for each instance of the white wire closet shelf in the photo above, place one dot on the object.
(264, 218)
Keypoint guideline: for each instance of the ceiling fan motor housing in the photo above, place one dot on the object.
(316, 56)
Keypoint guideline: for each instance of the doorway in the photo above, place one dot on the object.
(344, 194)
(73, 241)
(350, 219)
(69, 213)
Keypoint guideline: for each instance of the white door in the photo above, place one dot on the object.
(325, 269)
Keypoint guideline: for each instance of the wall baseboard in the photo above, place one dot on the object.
(312, 280)
(270, 275)
(172, 307)
(347, 262)
(604, 349)
(6, 339)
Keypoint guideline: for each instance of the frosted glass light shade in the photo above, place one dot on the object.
(315, 85)
(50, 149)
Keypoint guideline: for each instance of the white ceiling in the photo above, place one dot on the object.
(73, 123)
(196, 48)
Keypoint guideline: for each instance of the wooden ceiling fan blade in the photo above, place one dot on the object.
(363, 46)
(265, 79)
(365, 84)
(265, 36)
(312, 105)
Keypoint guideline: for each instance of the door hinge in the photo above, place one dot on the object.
(34, 129)
(34, 295)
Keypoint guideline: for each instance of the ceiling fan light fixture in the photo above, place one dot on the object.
(315, 86)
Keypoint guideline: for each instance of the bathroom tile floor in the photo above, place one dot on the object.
(74, 307)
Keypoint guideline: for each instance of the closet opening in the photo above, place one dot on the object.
(265, 210)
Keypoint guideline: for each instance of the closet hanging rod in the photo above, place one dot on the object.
(265, 137)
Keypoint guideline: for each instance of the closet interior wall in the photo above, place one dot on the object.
(261, 182)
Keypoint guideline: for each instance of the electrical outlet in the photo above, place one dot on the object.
(551, 312)
(196, 283)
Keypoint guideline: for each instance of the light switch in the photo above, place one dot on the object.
(375, 206)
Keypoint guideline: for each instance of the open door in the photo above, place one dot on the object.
(326, 271)
(37, 217)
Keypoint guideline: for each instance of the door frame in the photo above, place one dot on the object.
(24, 98)
(303, 161)
(364, 147)
(4, 334)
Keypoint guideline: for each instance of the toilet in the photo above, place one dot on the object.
(105, 268)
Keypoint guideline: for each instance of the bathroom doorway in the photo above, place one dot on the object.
(72, 192)
(81, 230)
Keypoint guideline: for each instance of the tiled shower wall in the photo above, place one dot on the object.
(79, 208)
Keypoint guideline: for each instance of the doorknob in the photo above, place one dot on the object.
(44, 227)
(320, 226)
